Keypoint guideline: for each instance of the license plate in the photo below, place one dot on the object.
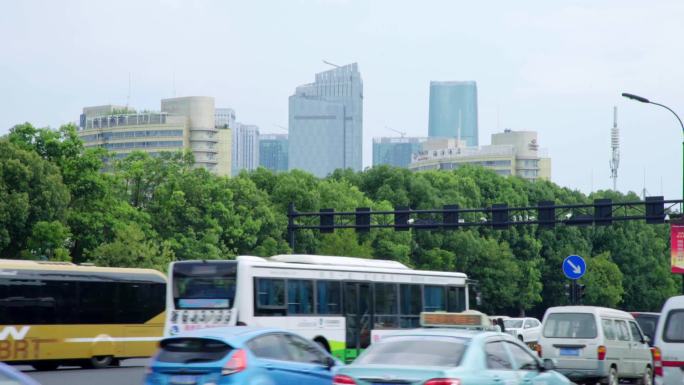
(183, 380)
(569, 352)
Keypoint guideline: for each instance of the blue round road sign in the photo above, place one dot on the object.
(574, 267)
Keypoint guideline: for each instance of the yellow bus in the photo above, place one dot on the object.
(59, 313)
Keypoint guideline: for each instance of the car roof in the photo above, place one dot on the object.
(447, 332)
(597, 310)
(231, 334)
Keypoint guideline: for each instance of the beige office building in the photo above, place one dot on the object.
(514, 153)
(185, 123)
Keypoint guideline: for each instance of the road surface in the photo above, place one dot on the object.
(130, 372)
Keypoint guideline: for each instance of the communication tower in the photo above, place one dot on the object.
(615, 147)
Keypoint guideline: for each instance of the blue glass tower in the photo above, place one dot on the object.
(273, 152)
(449, 102)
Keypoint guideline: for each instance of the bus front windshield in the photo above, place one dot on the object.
(204, 285)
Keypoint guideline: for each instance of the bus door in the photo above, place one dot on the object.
(358, 315)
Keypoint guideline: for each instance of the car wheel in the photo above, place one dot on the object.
(647, 378)
(613, 378)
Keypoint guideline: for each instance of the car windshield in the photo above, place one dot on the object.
(513, 323)
(442, 351)
(570, 325)
(648, 323)
(192, 350)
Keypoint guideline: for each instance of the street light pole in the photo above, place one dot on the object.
(644, 100)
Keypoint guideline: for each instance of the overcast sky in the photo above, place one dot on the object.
(556, 67)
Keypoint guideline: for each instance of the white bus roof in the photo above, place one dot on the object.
(337, 261)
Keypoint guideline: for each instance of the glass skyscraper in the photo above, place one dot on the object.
(395, 151)
(449, 103)
(245, 148)
(325, 122)
(273, 152)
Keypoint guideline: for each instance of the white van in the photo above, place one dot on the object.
(668, 347)
(593, 344)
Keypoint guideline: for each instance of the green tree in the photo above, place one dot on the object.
(49, 240)
(603, 282)
(132, 248)
(31, 191)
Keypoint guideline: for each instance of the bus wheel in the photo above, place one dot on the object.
(98, 362)
(45, 365)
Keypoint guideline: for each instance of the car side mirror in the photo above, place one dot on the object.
(549, 364)
(646, 340)
(330, 363)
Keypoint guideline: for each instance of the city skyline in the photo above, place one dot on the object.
(561, 83)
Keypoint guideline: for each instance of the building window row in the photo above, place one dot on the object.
(159, 143)
(130, 134)
(125, 120)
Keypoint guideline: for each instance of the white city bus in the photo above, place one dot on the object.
(336, 301)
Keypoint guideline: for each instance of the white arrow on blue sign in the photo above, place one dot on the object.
(574, 267)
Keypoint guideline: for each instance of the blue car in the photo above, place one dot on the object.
(11, 376)
(240, 356)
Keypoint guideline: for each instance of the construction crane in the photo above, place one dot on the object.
(403, 134)
(331, 64)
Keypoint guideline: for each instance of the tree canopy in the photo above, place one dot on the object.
(62, 201)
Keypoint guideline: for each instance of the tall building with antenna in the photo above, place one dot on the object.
(615, 147)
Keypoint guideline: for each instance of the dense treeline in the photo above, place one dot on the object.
(56, 203)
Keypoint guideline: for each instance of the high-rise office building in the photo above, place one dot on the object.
(185, 123)
(245, 148)
(326, 122)
(225, 117)
(453, 111)
(395, 151)
(273, 152)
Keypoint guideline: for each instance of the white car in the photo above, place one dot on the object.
(525, 329)
(668, 351)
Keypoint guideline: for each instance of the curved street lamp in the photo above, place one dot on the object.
(644, 100)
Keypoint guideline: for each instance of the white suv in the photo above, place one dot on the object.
(525, 329)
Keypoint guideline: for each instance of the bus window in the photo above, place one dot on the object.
(204, 286)
(299, 296)
(433, 298)
(328, 297)
(98, 302)
(411, 305)
(386, 306)
(455, 299)
(270, 297)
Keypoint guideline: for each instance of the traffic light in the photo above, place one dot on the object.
(363, 219)
(546, 212)
(603, 212)
(401, 218)
(568, 291)
(327, 221)
(450, 216)
(655, 210)
(500, 216)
